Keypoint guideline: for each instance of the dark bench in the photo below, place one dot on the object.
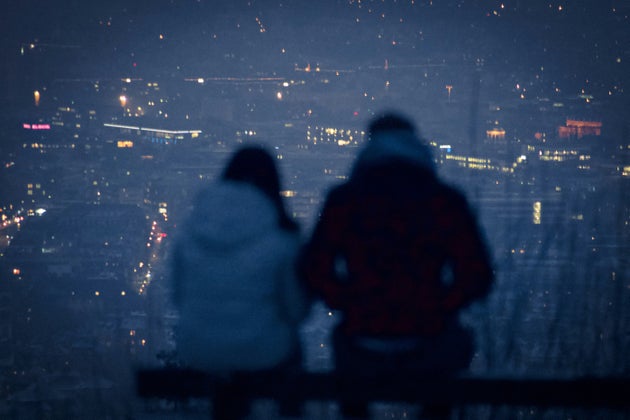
(587, 392)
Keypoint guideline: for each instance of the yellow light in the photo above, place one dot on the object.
(537, 213)
(288, 193)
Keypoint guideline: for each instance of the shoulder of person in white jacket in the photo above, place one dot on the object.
(234, 280)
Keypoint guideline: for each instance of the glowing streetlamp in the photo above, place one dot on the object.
(123, 100)
(449, 88)
(36, 97)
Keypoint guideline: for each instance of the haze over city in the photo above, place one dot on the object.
(113, 114)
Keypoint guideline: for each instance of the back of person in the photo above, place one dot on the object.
(234, 280)
(381, 250)
(397, 228)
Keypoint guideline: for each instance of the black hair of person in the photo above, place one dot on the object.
(254, 165)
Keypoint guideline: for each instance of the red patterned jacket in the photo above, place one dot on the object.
(380, 250)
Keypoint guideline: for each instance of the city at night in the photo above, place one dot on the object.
(117, 117)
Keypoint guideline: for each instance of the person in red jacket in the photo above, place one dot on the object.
(398, 253)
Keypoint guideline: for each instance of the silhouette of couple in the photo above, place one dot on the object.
(395, 251)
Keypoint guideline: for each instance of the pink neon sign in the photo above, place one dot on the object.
(36, 126)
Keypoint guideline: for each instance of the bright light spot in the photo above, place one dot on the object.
(279, 96)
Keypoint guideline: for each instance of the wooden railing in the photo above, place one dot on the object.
(296, 388)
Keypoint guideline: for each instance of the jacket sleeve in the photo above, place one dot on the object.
(317, 262)
(472, 268)
(294, 297)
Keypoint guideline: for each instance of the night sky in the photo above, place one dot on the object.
(579, 44)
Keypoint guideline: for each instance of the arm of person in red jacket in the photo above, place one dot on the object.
(318, 259)
(472, 268)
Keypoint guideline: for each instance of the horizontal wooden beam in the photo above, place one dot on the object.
(609, 392)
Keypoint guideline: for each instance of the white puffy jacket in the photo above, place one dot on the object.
(234, 282)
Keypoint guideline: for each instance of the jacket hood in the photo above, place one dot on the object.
(394, 145)
(228, 214)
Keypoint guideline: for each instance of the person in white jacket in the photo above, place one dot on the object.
(235, 284)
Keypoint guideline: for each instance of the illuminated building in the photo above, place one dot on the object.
(579, 129)
(338, 136)
(154, 135)
(43, 135)
(496, 133)
(83, 240)
(470, 162)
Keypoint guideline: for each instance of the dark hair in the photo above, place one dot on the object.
(390, 121)
(254, 165)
